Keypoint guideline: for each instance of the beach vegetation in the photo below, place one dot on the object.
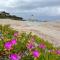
(25, 46)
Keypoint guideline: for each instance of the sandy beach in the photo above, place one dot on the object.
(49, 31)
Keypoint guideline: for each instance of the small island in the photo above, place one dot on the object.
(5, 15)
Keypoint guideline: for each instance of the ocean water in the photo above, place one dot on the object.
(33, 23)
(51, 24)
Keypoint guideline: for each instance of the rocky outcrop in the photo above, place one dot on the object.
(4, 15)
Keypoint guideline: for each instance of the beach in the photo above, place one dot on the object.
(49, 31)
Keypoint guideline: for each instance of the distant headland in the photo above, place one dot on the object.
(5, 15)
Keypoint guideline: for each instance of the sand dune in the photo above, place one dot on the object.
(47, 30)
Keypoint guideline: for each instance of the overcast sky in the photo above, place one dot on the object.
(43, 9)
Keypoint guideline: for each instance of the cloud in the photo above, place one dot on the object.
(29, 3)
(29, 7)
(2, 3)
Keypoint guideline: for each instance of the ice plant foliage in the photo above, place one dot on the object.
(23, 46)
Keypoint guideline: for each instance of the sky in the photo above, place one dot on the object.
(41, 9)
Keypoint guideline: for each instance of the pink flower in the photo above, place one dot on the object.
(42, 46)
(13, 41)
(16, 34)
(30, 46)
(36, 54)
(58, 52)
(8, 45)
(14, 57)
